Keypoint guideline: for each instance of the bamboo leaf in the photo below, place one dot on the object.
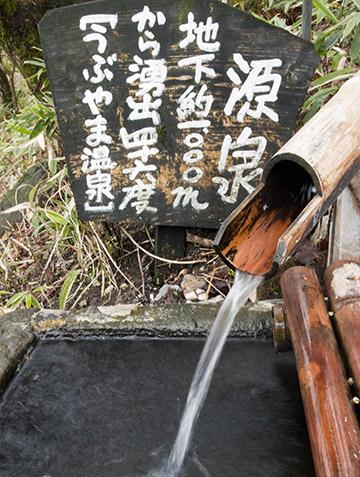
(322, 6)
(22, 130)
(35, 63)
(331, 77)
(355, 46)
(15, 300)
(351, 24)
(34, 302)
(326, 40)
(66, 287)
(318, 96)
(55, 217)
(314, 103)
(40, 126)
(28, 300)
(32, 193)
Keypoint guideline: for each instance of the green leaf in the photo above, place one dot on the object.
(40, 126)
(318, 96)
(55, 217)
(35, 63)
(32, 193)
(326, 40)
(22, 130)
(15, 300)
(351, 24)
(357, 3)
(280, 23)
(355, 46)
(322, 6)
(259, 17)
(28, 300)
(66, 287)
(314, 102)
(52, 164)
(31, 301)
(332, 76)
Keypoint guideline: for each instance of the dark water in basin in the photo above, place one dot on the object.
(111, 408)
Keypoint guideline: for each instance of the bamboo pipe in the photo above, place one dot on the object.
(298, 185)
(342, 281)
(331, 421)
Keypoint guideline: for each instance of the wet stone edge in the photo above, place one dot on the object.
(20, 329)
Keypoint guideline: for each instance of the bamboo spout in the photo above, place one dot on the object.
(298, 185)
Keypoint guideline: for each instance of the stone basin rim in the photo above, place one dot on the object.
(21, 329)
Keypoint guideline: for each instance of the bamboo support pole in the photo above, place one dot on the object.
(306, 17)
(331, 421)
(281, 333)
(342, 281)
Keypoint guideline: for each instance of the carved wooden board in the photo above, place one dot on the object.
(168, 111)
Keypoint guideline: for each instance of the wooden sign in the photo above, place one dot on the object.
(169, 110)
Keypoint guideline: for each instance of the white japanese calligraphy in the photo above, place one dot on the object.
(191, 102)
(204, 33)
(200, 69)
(138, 195)
(96, 159)
(186, 196)
(245, 162)
(261, 86)
(149, 76)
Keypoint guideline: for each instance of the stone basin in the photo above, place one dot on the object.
(103, 406)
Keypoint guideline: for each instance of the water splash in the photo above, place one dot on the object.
(244, 284)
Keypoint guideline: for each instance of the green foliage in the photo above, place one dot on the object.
(67, 287)
(76, 257)
(335, 34)
(24, 298)
(8, 6)
(38, 118)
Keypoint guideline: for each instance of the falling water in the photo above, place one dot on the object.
(244, 284)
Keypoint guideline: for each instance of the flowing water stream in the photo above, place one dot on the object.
(244, 284)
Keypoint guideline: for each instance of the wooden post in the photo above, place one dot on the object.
(345, 227)
(342, 281)
(306, 17)
(170, 243)
(333, 429)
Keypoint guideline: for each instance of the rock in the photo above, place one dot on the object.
(192, 282)
(119, 309)
(167, 291)
(216, 299)
(202, 296)
(190, 295)
(253, 296)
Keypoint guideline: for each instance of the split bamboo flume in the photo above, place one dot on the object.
(298, 185)
(332, 424)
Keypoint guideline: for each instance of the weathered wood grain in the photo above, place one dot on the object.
(67, 55)
(345, 227)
